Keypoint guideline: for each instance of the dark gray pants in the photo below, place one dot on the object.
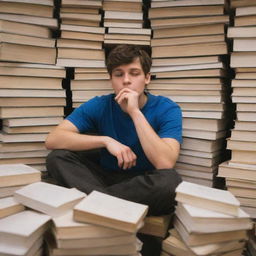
(81, 170)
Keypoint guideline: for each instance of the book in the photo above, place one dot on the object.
(66, 228)
(155, 4)
(26, 9)
(201, 49)
(205, 124)
(156, 225)
(8, 191)
(244, 11)
(19, 82)
(236, 172)
(243, 59)
(20, 147)
(37, 93)
(240, 3)
(121, 6)
(27, 53)
(202, 145)
(185, 11)
(40, 121)
(10, 112)
(185, 21)
(245, 21)
(36, 196)
(241, 145)
(29, 129)
(9, 206)
(66, 53)
(197, 30)
(13, 27)
(242, 135)
(102, 209)
(81, 44)
(32, 102)
(195, 219)
(64, 62)
(29, 19)
(244, 45)
(186, 40)
(18, 174)
(241, 32)
(21, 230)
(209, 198)
(26, 40)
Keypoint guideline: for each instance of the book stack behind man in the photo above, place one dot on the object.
(124, 22)
(188, 47)
(81, 46)
(208, 221)
(240, 171)
(31, 96)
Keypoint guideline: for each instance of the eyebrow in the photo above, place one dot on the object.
(132, 69)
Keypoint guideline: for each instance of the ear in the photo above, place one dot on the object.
(147, 78)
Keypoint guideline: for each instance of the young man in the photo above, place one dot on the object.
(138, 135)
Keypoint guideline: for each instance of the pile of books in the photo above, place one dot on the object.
(125, 24)
(97, 224)
(240, 171)
(31, 96)
(208, 221)
(242, 142)
(188, 48)
(80, 46)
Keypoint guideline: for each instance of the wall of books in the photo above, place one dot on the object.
(52, 59)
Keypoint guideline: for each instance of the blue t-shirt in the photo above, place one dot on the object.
(103, 116)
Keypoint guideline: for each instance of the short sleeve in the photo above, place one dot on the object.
(85, 116)
(170, 122)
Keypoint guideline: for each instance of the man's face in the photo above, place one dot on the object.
(129, 76)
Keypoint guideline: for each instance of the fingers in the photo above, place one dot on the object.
(126, 159)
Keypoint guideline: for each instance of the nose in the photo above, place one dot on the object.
(126, 79)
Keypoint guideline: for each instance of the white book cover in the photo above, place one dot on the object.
(49, 198)
(208, 198)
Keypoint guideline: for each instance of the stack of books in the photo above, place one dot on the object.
(242, 142)
(124, 22)
(188, 66)
(208, 221)
(240, 171)
(80, 46)
(88, 83)
(22, 229)
(80, 42)
(113, 224)
(22, 233)
(31, 96)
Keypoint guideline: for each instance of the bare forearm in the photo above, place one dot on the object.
(159, 153)
(63, 139)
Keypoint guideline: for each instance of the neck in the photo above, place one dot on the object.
(143, 100)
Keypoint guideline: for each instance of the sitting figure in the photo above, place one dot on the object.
(124, 144)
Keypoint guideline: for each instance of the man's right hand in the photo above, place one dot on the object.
(125, 156)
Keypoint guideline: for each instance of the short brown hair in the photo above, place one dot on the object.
(126, 54)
